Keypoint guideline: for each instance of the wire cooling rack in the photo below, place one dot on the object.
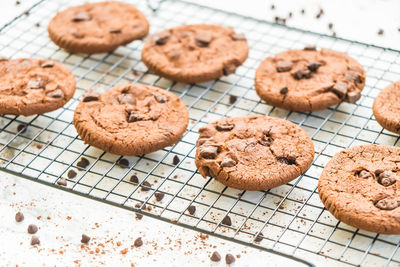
(291, 217)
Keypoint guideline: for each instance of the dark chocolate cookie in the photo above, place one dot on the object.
(309, 79)
(360, 186)
(386, 108)
(34, 86)
(195, 53)
(253, 152)
(97, 27)
(131, 119)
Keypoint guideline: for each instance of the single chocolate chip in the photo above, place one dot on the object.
(22, 128)
(340, 89)
(62, 182)
(259, 238)
(208, 152)
(56, 94)
(232, 99)
(228, 162)
(123, 163)
(353, 97)
(139, 216)
(203, 39)
(140, 205)
(81, 16)
(225, 127)
(272, 7)
(364, 174)
(284, 66)
(37, 24)
(226, 221)
(215, 256)
(298, 74)
(134, 179)
(192, 209)
(380, 32)
(90, 95)
(161, 38)
(47, 64)
(159, 196)
(314, 66)
(115, 31)
(238, 37)
(388, 203)
(330, 26)
(19, 216)
(126, 99)
(310, 48)
(146, 186)
(287, 160)
(290, 14)
(175, 160)
(353, 76)
(85, 239)
(36, 84)
(229, 259)
(302, 11)
(161, 98)
(83, 163)
(138, 242)
(35, 240)
(32, 229)
(284, 90)
(71, 174)
(386, 178)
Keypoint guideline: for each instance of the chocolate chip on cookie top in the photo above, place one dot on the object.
(360, 186)
(97, 27)
(386, 108)
(131, 119)
(195, 53)
(309, 79)
(253, 152)
(34, 86)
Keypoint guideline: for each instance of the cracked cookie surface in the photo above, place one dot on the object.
(254, 152)
(195, 53)
(131, 119)
(309, 79)
(34, 86)
(97, 27)
(360, 187)
(386, 108)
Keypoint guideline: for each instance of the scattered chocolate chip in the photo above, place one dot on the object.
(17, 3)
(85, 239)
(192, 209)
(83, 163)
(81, 16)
(37, 24)
(56, 94)
(284, 90)
(22, 128)
(364, 174)
(229, 259)
(126, 99)
(386, 178)
(232, 99)
(35, 240)
(62, 182)
(146, 186)
(225, 127)
(272, 7)
(310, 48)
(138, 242)
(203, 39)
(302, 11)
(208, 152)
(175, 160)
(353, 97)
(32, 229)
(161, 38)
(159, 196)
(47, 64)
(388, 203)
(215, 256)
(140, 205)
(259, 238)
(115, 31)
(123, 163)
(290, 14)
(238, 37)
(284, 66)
(161, 98)
(134, 179)
(19, 216)
(26, 12)
(36, 84)
(380, 32)
(71, 174)
(228, 162)
(139, 216)
(330, 26)
(90, 95)
(287, 160)
(226, 221)
(340, 89)
(314, 66)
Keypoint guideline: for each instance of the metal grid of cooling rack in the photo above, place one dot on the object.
(291, 217)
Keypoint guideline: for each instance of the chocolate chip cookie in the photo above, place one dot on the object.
(386, 108)
(195, 53)
(34, 86)
(253, 152)
(360, 186)
(131, 119)
(97, 27)
(309, 79)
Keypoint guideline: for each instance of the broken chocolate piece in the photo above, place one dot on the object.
(175, 160)
(238, 37)
(286, 160)
(229, 259)
(83, 163)
(364, 174)
(159, 196)
(388, 203)
(228, 162)
(310, 48)
(56, 94)
(192, 209)
(85, 239)
(161, 98)
(340, 89)
(47, 64)
(35, 240)
(314, 66)
(208, 152)
(138, 242)
(284, 66)
(62, 182)
(90, 95)
(161, 38)
(203, 39)
(81, 16)
(226, 221)
(32, 229)
(225, 127)
(386, 178)
(19, 217)
(215, 256)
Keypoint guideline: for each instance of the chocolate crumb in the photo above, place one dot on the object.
(232, 99)
(227, 221)
(19, 217)
(85, 239)
(139, 216)
(37, 24)
(302, 11)
(22, 128)
(159, 196)
(71, 174)
(380, 32)
(215, 256)
(134, 179)
(138, 242)
(272, 7)
(123, 163)
(259, 237)
(83, 163)
(330, 26)
(229, 259)
(32, 229)
(175, 160)
(35, 240)
(62, 182)
(192, 209)
(138, 205)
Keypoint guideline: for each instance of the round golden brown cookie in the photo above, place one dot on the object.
(97, 27)
(131, 119)
(360, 186)
(386, 108)
(34, 86)
(309, 79)
(195, 53)
(253, 152)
